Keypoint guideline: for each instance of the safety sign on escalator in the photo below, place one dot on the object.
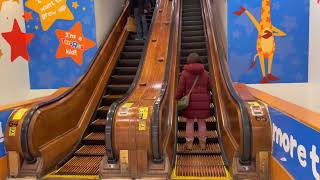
(143, 115)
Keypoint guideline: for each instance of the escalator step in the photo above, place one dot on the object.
(135, 42)
(202, 166)
(199, 160)
(99, 122)
(191, 28)
(192, 23)
(81, 165)
(192, 33)
(195, 45)
(192, 18)
(211, 148)
(193, 39)
(128, 62)
(130, 55)
(104, 109)
(133, 48)
(186, 52)
(193, 8)
(122, 79)
(91, 150)
(126, 70)
(118, 88)
(186, 7)
(109, 99)
(209, 134)
(195, 13)
(95, 136)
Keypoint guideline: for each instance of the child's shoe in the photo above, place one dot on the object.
(189, 145)
(203, 144)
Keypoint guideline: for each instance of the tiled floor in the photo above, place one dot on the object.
(302, 94)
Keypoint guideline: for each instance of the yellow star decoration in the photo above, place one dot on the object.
(50, 11)
(75, 5)
(1, 54)
(36, 27)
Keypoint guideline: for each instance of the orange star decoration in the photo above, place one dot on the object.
(27, 16)
(73, 44)
(50, 10)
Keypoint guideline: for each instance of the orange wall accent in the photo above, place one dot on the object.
(3, 167)
(278, 172)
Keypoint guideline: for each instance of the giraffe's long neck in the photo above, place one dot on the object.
(265, 14)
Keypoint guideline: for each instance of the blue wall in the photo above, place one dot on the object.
(293, 140)
(291, 57)
(3, 120)
(46, 71)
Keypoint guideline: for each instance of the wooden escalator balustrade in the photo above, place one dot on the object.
(126, 135)
(52, 129)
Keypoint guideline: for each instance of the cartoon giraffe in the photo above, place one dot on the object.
(265, 43)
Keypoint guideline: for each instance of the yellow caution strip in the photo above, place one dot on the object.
(175, 177)
(54, 175)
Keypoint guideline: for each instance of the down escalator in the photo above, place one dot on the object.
(86, 159)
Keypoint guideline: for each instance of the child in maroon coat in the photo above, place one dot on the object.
(200, 98)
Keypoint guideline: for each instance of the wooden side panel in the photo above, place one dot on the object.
(127, 132)
(278, 172)
(4, 167)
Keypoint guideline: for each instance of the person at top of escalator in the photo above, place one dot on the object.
(198, 109)
(138, 8)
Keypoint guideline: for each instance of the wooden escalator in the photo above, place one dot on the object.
(86, 159)
(197, 163)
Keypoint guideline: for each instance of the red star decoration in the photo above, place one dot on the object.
(27, 16)
(73, 44)
(18, 42)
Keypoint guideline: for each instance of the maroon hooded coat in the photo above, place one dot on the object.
(200, 98)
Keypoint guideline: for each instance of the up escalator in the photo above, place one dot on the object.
(197, 163)
(85, 160)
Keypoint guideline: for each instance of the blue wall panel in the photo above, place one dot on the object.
(296, 146)
(46, 71)
(3, 122)
(290, 63)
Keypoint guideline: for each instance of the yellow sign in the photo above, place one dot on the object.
(143, 112)
(142, 125)
(19, 114)
(127, 105)
(124, 160)
(12, 131)
(254, 103)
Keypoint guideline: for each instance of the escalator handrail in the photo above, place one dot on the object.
(155, 144)
(245, 156)
(27, 120)
(112, 159)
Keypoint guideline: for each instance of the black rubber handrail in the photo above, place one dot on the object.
(155, 144)
(245, 156)
(26, 123)
(112, 158)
